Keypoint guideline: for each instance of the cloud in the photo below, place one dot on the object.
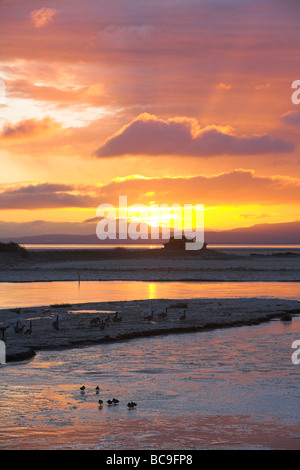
(67, 94)
(42, 17)
(236, 188)
(150, 135)
(291, 117)
(223, 86)
(233, 188)
(29, 128)
(46, 195)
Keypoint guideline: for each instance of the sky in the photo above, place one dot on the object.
(164, 101)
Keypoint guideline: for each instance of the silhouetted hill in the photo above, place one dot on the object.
(267, 234)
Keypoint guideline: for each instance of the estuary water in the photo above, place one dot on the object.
(28, 294)
(225, 389)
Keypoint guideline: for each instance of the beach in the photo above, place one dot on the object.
(74, 319)
(151, 265)
(185, 359)
(77, 325)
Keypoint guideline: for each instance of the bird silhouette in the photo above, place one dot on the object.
(29, 330)
(117, 318)
(183, 317)
(147, 314)
(162, 312)
(131, 405)
(55, 323)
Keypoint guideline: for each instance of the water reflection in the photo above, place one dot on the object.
(45, 293)
(193, 390)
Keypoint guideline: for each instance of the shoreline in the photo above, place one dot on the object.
(187, 280)
(76, 330)
(146, 265)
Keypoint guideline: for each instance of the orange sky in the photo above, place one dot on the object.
(165, 101)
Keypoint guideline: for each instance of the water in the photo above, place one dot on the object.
(233, 388)
(27, 294)
(239, 249)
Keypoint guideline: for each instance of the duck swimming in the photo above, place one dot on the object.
(131, 405)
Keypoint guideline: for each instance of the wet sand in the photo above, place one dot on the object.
(77, 324)
(146, 265)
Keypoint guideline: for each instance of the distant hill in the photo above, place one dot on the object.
(267, 234)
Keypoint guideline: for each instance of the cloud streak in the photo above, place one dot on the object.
(235, 188)
(45, 196)
(29, 128)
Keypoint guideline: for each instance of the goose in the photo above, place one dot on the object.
(18, 329)
(3, 329)
(55, 323)
(95, 321)
(117, 318)
(183, 317)
(29, 330)
(147, 314)
(162, 312)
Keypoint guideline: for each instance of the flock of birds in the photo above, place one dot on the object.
(113, 402)
(19, 329)
(147, 314)
(103, 323)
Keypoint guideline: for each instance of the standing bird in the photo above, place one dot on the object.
(97, 389)
(147, 314)
(18, 329)
(117, 318)
(100, 403)
(29, 330)
(162, 312)
(55, 323)
(183, 317)
(2, 330)
(115, 401)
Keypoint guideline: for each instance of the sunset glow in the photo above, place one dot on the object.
(108, 99)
